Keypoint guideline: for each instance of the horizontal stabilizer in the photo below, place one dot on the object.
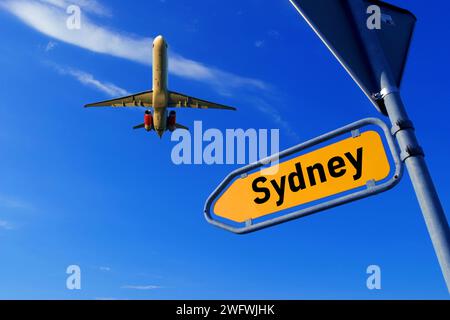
(180, 126)
(141, 126)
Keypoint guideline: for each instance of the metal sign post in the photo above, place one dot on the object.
(410, 151)
(371, 57)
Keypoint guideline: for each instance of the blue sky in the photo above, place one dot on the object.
(80, 187)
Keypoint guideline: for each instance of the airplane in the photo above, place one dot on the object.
(160, 98)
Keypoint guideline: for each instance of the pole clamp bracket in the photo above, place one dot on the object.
(384, 92)
(412, 152)
(401, 125)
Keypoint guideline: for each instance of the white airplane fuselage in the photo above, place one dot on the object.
(160, 85)
(160, 98)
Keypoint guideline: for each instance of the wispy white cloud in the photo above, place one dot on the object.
(91, 6)
(270, 110)
(50, 46)
(89, 80)
(273, 33)
(140, 287)
(6, 225)
(103, 268)
(50, 19)
(9, 203)
(259, 43)
(13, 203)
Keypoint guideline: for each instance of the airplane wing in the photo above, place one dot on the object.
(143, 99)
(179, 100)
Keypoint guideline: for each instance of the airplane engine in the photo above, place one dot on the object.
(172, 121)
(148, 121)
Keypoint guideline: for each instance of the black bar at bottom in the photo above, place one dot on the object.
(206, 309)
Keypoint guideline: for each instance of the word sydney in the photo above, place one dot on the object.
(303, 178)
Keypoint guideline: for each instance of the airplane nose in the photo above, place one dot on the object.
(159, 39)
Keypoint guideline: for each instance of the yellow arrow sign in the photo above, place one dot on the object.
(334, 169)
